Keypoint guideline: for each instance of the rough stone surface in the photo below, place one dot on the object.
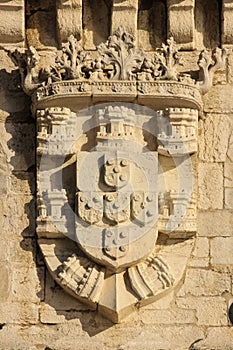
(200, 255)
(204, 307)
(215, 223)
(218, 338)
(229, 198)
(12, 28)
(200, 282)
(210, 185)
(214, 133)
(228, 175)
(219, 245)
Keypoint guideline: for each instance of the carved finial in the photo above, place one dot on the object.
(27, 62)
(209, 64)
(71, 60)
(169, 60)
(119, 52)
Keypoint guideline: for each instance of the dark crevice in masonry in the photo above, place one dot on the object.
(32, 12)
(220, 12)
(2, 325)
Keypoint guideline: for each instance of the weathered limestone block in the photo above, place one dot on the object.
(228, 198)
(228, 183)
(230, 148)
(214, 135)
(217, 338)
(12, 23)
(49, 315)
(210, 186)
(22, 217)
(22, 182)
(204, 307)
(228, 175)
(13, 102)
(69, 19)
(200, 255)
(218, 99)
(215, 223)
(181, 24)
(26, 283)
(200, 282)
(22, 250)
(40, 337)
(173, 316)
(5, 283)
(167, 337)
(125, 13)
(227, 23)
(207, 27)
(221, 251)
(163, 303)
(19, 313)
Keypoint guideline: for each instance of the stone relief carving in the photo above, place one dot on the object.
(126, 224)
(116, 181)
(209, 64)
(117, 59)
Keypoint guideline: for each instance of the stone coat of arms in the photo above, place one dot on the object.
(116, 145)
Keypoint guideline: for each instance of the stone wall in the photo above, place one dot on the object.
(35, 313)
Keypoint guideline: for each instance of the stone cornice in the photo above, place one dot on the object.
(160, 94)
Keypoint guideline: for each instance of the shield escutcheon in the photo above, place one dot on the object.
(117, 207)
(90, 207)
(143, 206)
(121, 226)
(116, 242)
(116, 172)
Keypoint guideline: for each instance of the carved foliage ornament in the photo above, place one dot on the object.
(117, 59)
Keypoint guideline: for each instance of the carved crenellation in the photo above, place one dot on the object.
(55, 130)
(50, 219)
(116, 123)
(150, 277)
(83, 277)
(177, 214)
(178, 131)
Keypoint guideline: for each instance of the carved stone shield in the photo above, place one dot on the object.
(114, 222)
(116, 172)
(117, 207)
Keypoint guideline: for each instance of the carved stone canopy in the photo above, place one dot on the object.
(116, 145)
